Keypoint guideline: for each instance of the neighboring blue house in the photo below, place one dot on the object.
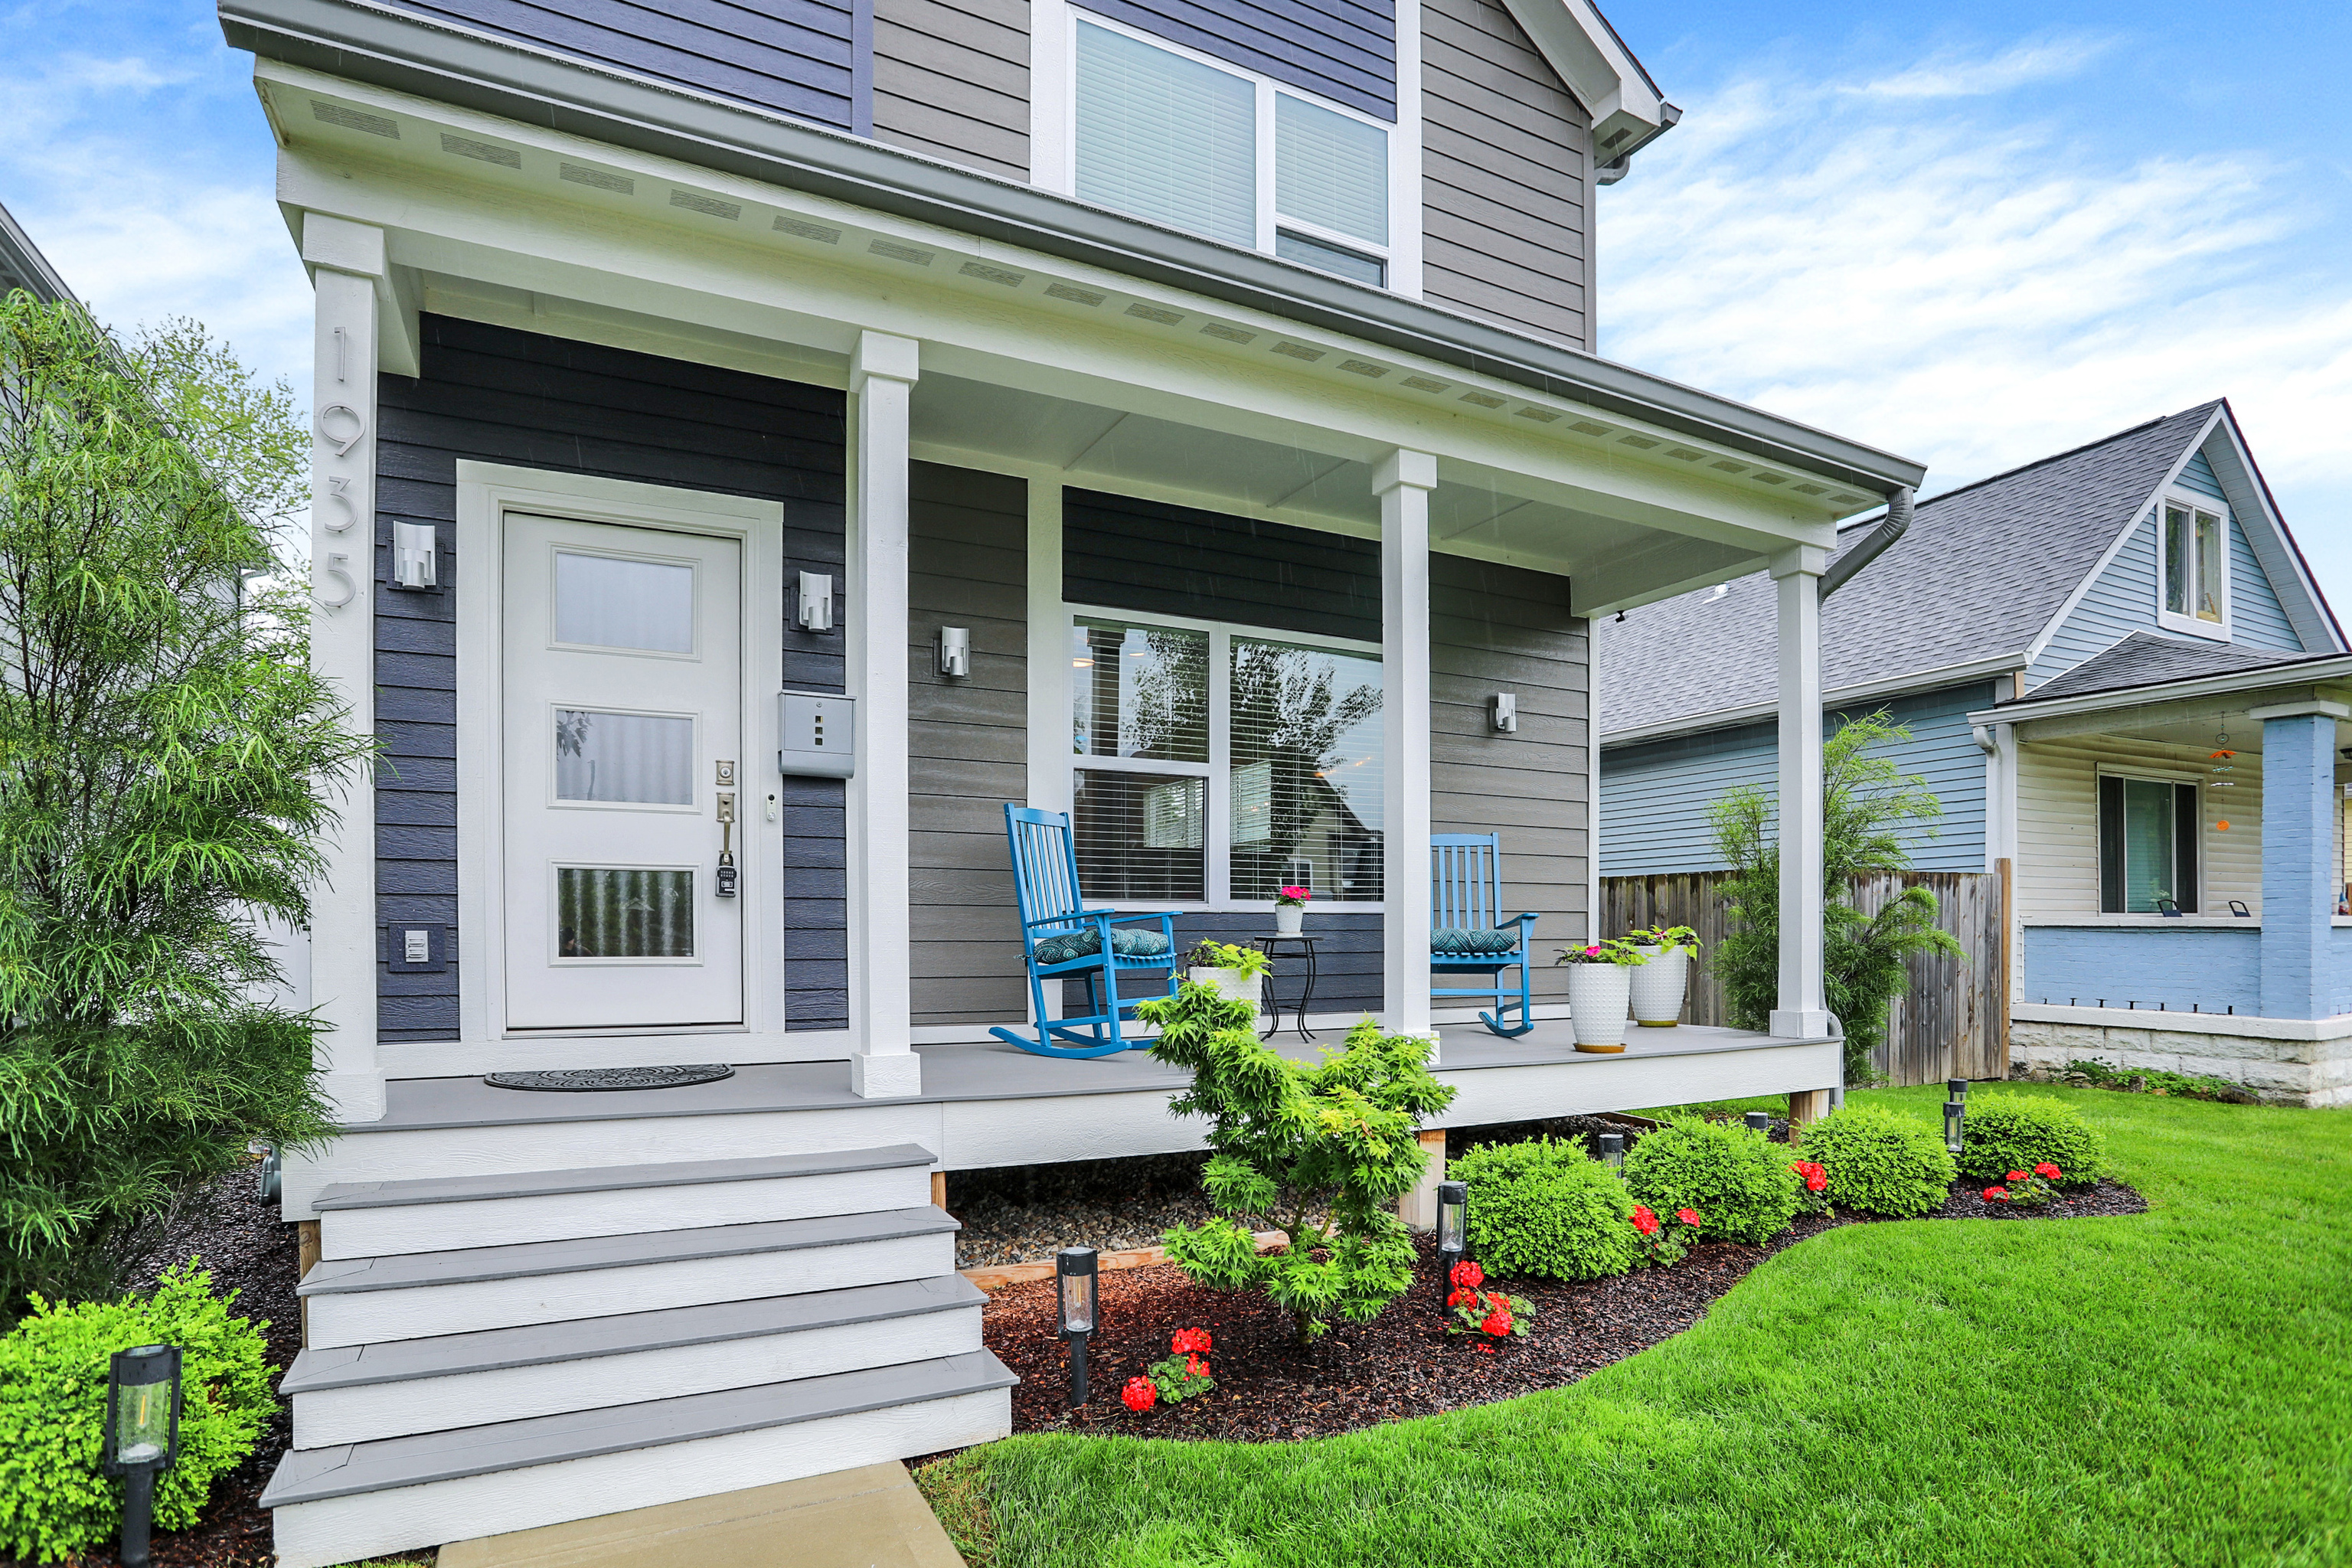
(2094, 654)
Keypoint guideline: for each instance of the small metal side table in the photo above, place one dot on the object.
(1305, 944)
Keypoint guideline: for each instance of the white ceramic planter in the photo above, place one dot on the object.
(1289, 919)
(1598, 996)
(1658, 987)
(1231, 983)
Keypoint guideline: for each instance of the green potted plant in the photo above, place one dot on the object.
(1231, 971)
(1290, 911)
(1600, 991)
(1659, 985)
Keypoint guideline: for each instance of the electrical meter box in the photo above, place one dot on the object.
(819, 735)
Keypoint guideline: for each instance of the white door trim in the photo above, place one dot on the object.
(486, 493)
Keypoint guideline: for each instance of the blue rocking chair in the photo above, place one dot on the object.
(1467, 934)
(1062, 940)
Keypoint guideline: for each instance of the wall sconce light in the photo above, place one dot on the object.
(1074, 1281)
(142, 1435)
(1453, 1227)
(1612, 1150)
(1506, 712)
(414, 564)
(813, 611)
(955, 650)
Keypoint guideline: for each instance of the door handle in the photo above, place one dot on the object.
(725, 884)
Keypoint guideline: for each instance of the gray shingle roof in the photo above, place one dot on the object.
(1980, 573)
(2144, 658)
(22, 265)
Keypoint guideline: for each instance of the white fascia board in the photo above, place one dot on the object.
(2320, 670)
(2267, 534)
(1626, 108)
(1835, 697)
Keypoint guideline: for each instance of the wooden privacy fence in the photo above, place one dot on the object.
(1951, 1023)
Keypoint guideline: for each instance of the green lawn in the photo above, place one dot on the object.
(2171, 1389)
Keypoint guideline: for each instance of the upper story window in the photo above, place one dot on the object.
(1170, 136)
(2192, 567)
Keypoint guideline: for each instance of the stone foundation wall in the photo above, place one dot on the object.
(2284, 1072)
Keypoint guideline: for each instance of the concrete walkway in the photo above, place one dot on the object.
(867, 1518)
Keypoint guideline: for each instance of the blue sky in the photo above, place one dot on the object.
(1973, 235)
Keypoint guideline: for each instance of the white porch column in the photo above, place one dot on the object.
(881, 376)
(1403, 480)
(1802, 1010)
(348, 266)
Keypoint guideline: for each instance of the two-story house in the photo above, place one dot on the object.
(2125, 688)
(758, 442)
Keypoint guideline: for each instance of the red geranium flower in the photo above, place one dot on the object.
(1817, 1181)
(2047, 1169)
(1196, 1366)
(2015, 1176)
(1139, 1394)
(1643, 1220)
(1461, 1298)
(1498, 1322)
(1996, 1194)
(1688, 1217)
(1468, 1276)
(1190, 1341)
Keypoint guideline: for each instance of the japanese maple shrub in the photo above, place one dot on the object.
(2005, 1132)
(1739, 1179)
(1545, 1207)
(1879, 1162)
(1290, 1140)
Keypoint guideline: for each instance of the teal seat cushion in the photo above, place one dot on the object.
(1460, 942)
(1125, 942)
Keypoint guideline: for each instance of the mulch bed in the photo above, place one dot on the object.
(251, 1251)
(1402, 1363)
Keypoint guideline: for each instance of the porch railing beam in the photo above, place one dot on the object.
(1803, 1009)
(882, 374)
(1403, 480)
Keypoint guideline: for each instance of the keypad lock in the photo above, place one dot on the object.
(724, 884)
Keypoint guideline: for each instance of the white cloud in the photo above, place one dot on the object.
(1928, 272)
(1964, 76)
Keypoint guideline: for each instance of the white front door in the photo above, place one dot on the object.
(623, 703)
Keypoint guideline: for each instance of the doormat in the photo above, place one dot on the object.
(576, 1079)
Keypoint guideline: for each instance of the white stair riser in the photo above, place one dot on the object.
(360, 1414)
(373, 1524)
(536, 1146)
(372, 1317)
(566, 1216)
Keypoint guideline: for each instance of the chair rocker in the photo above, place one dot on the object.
(1466, 934)
(1061, 940)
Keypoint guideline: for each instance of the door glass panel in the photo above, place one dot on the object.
(2148, 843)
(621, 912)
(603, 601)
(646, 758)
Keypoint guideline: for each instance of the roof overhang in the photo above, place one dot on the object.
(22, 265)
(2161, 700)
(413, 55)
(1628, 111)
(1838, 698)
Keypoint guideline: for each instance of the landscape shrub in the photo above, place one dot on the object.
(1548, 1208)
(2005, 1132)
(1738, 1181)
(1880, 1162)
(54, 1503)
(1292, 1142)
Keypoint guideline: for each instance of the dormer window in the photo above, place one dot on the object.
(1174, 137)
(2192, 568)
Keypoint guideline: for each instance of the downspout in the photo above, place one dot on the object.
(1870, 545)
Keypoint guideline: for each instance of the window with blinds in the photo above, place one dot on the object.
(1293, 730)
(1166, 138)
(1330, 169)
(2149, 833)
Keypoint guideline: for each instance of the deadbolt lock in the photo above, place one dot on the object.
(726, 773)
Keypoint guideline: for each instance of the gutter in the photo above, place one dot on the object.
(365, 42)
(1870, 545)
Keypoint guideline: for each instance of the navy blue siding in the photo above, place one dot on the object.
(1655, 796)
(800, 57)
(1344, 50)
(1129, 554)
(504, 396)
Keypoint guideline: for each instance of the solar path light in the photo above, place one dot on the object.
(1074, 1279)
(143, 1435)
(1612, 1150)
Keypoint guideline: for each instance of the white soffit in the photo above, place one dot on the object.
(1626, 107)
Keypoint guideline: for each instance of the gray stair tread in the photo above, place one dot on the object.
(310, 1475)
(344, 1195)
(524, 1259)
(448, 1356)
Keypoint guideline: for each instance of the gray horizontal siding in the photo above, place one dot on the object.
(795, 57)
(1132, 555)
(967, 742)
(1503, 166)
(1655, 797)
(951, 80)
(504, 396)
(1344, 50)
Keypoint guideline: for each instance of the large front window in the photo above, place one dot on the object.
(1216, 765)
(2149, 831)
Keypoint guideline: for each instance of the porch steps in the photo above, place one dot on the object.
(773, 1317)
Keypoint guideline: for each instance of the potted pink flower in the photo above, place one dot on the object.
(1290, 910)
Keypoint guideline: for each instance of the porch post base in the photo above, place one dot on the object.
(1809, 1023)
(357, 1096)
(1418, 1208)
(1806, 1105)
(886, 1075)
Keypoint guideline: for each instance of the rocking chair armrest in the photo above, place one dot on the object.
(1519, 920)
(1158, 915)
(1073, 915)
